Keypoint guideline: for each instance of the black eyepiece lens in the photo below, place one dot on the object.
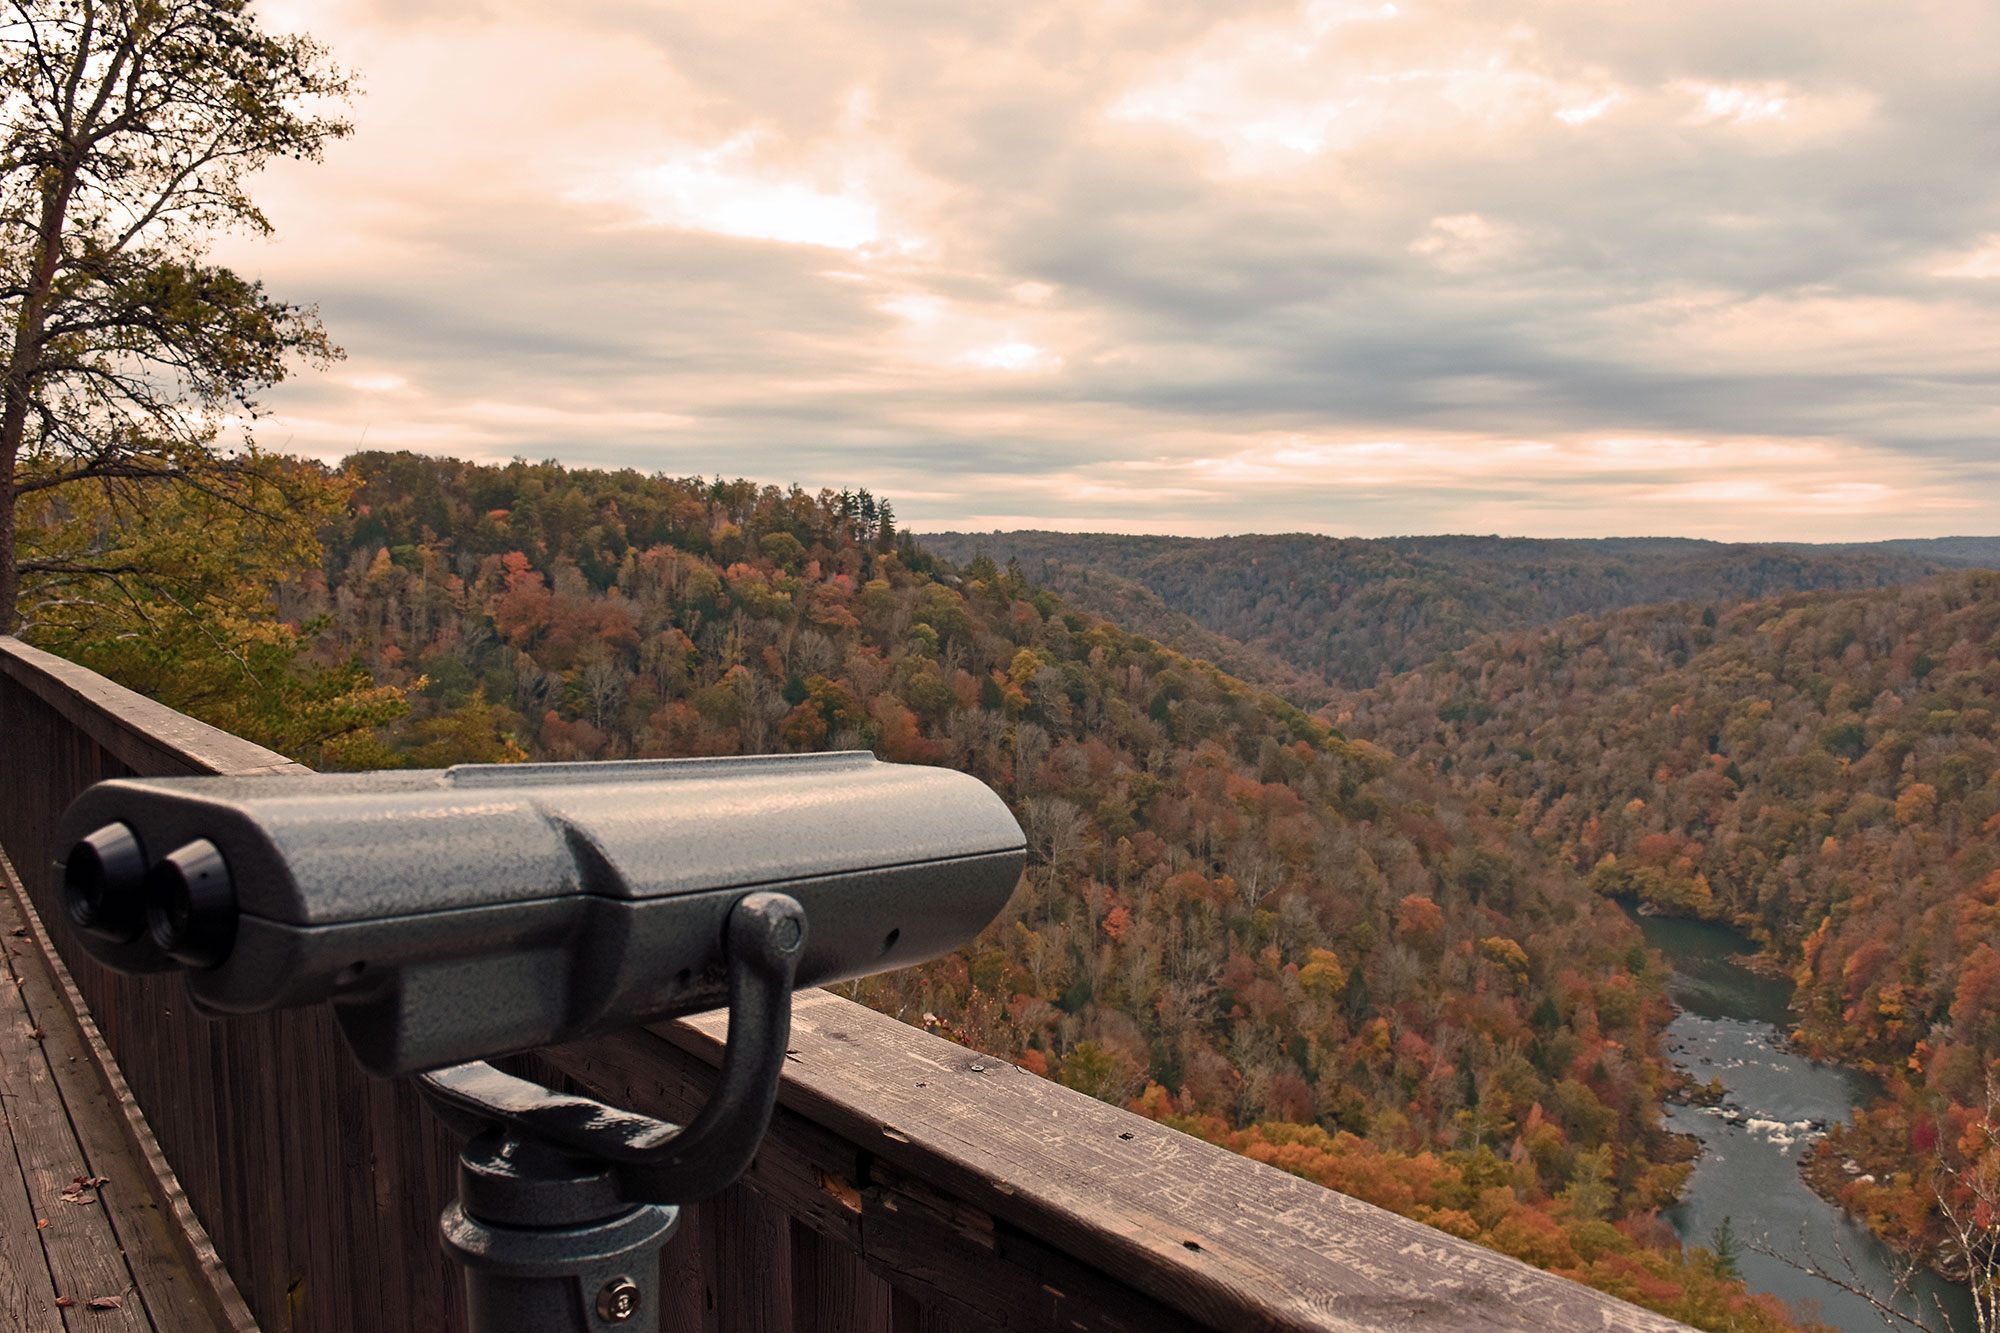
(193, 905)
(104, 879)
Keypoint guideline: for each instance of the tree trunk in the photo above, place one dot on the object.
(13, 430)
(23, 360)
(10, 574)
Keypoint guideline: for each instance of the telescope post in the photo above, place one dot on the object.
(564, 1203)
(548, 1246)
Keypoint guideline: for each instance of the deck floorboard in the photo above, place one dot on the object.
(59, 1129)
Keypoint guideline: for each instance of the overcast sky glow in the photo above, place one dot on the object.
(1563, 268)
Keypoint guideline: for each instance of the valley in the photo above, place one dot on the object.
(1816, 767)
(1370, 934)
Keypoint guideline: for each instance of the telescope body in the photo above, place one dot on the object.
(457, 914)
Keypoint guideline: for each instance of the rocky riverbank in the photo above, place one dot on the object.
(1758, 1106)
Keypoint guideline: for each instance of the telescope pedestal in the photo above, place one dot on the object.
(546, 1245)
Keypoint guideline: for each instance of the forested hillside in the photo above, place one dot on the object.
(1823, 769)
(1236, 918)
(1349, 609)
(1132, 605)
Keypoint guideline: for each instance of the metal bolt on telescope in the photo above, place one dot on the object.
(451, 916)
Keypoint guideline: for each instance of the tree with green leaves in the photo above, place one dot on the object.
(128, 131)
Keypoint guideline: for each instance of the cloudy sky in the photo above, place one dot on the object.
(1563, 268)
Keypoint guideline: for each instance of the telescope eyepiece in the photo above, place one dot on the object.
(104, 884)
(191, 905)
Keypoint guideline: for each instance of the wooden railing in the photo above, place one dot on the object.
(907, 1183)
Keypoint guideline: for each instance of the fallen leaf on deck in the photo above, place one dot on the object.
(41, 1223)
(104, 1303)
(65, 1301)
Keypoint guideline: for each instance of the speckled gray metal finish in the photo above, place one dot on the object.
(457, 914)
(561, 1280)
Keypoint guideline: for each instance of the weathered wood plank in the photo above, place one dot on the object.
(177, 1296)
(684, 1297)
(746, 1263)
(352, 1209)
(27, 1288)
(931, 1241)
(162, 1211)
(1335, 1263)
(84, 1257)
(1225, 1241)
(907, 1314)
(832, 1290)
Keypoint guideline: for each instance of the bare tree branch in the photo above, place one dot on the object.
(1853, 1286)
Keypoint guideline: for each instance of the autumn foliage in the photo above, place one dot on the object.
(1822, 770)
(1265, 929)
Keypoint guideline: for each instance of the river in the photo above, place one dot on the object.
(1729, 1028)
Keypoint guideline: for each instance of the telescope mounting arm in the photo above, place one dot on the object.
(652, 1161)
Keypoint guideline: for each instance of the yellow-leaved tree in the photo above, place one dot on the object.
(173, 596)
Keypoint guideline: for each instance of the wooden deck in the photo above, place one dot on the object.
(89, 1232)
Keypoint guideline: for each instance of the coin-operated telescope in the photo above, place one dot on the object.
(451, 916)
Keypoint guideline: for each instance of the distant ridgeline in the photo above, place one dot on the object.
(1236, 918)
(1345, 610)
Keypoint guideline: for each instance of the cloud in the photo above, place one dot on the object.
(710, 190)
(1982, 262)
(1553, 268)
